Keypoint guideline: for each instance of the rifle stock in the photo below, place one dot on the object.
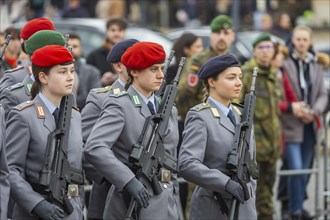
(239, 162)
(149, 155)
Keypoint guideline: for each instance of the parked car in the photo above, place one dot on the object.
(92, 33)
(242, 46)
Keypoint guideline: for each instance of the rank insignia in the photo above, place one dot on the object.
(40, 111)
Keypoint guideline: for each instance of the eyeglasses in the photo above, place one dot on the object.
(265, 47)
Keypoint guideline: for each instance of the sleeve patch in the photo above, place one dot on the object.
(192, 80)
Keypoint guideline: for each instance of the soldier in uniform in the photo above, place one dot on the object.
(28, 127)
(91, 113)
(266, 119)
(17, 75)
(208, 138)
(190, 88)
(21, 92)
(4, 172)
(119, 127)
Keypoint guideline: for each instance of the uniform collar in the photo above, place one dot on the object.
(49, 105)
(121, 82)
(225, 110)
(145, 99)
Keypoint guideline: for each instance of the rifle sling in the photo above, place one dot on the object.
(223, 206)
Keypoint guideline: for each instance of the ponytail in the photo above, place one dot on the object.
(37, 85)
(129, 80)
(206, 89)
(34, 90)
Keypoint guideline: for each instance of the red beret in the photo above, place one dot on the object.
(142, 55)
(36, 25)
(51, 55)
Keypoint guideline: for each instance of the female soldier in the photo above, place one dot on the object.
(208, 138)
(119, 127)
(28, 127)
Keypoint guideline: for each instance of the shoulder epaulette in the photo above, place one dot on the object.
(15, 86)
(201, 106)
(119, 94)
(24, 105)
(75, 108)
(238, 107)
(237, 104)
(15, 69)
(102, 90)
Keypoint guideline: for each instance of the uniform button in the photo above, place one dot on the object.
(165, 186)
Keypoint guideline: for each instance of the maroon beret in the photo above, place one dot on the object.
(142, 55)
(51, 55)
(36, 25)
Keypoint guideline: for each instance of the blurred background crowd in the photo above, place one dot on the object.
(166, 14)
(163, 21)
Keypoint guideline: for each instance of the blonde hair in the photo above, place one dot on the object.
(303, 28)
(206, 89)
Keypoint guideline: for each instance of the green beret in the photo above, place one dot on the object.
(43, 38)
(260, 38)
(221, 22)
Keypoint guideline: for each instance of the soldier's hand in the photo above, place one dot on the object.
(138, 192)
(48, 211)
(235, 189)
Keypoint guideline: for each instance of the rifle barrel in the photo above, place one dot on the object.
(254, 77)
(5, 44)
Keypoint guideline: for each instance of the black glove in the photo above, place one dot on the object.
(48, 211)
(136, 189)
(235, 189)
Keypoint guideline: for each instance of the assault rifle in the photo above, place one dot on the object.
(239, 162)
(55, 179)
(148, 156)
(160, 91)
